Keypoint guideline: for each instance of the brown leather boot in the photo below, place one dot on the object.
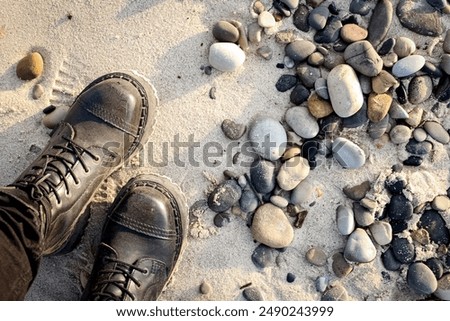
(141, 243)
(106, 125)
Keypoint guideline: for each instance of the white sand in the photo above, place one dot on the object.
(168, 41)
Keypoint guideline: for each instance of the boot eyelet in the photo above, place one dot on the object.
(146, 272)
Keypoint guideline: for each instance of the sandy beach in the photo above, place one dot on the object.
(168, 42)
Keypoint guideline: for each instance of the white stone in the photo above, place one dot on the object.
(226, 56)
(271, 227)
(359, 247)
(381, 232)
(266, 20)
(348, 154)
(292, 172)
(268, 138)
(345, 91)
(400, 134)
(302, 122)
(304, 193)
(345, 220)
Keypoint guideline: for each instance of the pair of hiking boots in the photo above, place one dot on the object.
(145, 230)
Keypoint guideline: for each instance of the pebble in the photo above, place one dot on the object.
(266, 20)
(225, 195)
(340, 266)
(357, 192)
(435, 225)
(383, 82)
(352, 33)
(335, 293)
(299, 95)
(322, 284)
(362, 56)
(408, 66)
(316, 59)
(435, 266)
(299, 50)
(224, 31)
(49, 109)
(300, 18)
(264, 128)
(348, 154)
(418, 148)
(266, 52)
(446, 45)
(271, 227)
(419, 134)
(258, 7)
(390, 59)
(421, 236)
(279, 201)
(389, 260)
(403, 250)
(363, 217)
(437, 131)
(414, 117)
(290, 278)
(361, 7)
(304, 192)
(316, 256)
(292, 172)
(262, 174)
(445, 63)
(378, 129)
(331, 31)
(222, 219)
(400, 134)
(233, 130)
(205, 288)
(226, 56)
(420, 89)
(378, 106)
(442, 90)
(319, 107)
(386, 46)
(248, 201)
(333, 59)
(344, 90)
(413, 161)
(421, 279)
(400, 208)
(302, 122)
(252, 294)
(286, 82)
(291, 152)
(263, 256)
(397, 112)
(432, 70)
(52, 119)
(255, 33)
(441, 203)
(380, 22)
(404, 47)
(395, 185)
(292, 4)
(318, 17)
(38, 91)
(443, 288)
(419, 17)
(308, 75)
(356, 120)
(30, 67)
(359, 247)
(321, 88)
(381, 232)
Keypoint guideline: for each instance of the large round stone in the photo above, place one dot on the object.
(268, 138)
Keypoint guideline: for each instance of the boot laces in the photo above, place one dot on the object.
(38, 181)
(119, 268)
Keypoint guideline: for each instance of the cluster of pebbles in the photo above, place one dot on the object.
(347, 77)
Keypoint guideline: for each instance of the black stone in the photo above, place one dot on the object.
(442, 90)
(331, 31)
(403, 251)
(224, 196)
(330, 126)
(361, 7)
(402, 95)
(386, 46)
(413, 161)
(280, 66)
(282, 8)
(262, 174)
(286, 82)
(299, 95)
(389, 260)
(340, 45)
(308, 75)
(432, 70)
(221, 219)
(333, 8)
(433, 222)
(438, 4)
(395, 186)
(436, 267)
(309, 151)
(290, 277)
(380, 22)
(47, 110)
(263, 256)
(416, 148)
(398, 226)
(400, 208)
(301, 18)
(358, 119)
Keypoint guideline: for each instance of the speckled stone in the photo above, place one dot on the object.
(300, 18)
(420, 89)
(420, 17)
(403, 250)
(30, 67)
(271, 227)
(359, 247)
(435, 225)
